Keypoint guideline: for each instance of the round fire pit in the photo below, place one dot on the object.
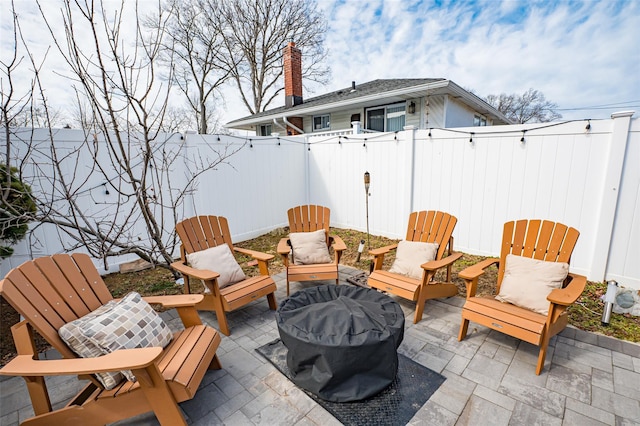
(342, 341)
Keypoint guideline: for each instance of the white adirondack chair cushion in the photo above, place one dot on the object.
(127, 323)
(310, 248)
(218, 259)
(410, 255)
(527, 282)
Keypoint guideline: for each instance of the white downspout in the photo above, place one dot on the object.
(275, 121)
(284, 118)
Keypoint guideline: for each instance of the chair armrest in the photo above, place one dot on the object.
(568, 295)
(124, 359)
(471, 274)
(201, 274)
(283, 247)
(338, 244)
(258, 255)
(474, 271)
(437, 264)
(175, 301)
(383, 250)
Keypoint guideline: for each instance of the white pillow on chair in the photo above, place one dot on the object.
(309, 248)
(410, 255)
(527, 282)
(218, 259)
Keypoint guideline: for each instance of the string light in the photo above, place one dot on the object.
(429, 131)
(250, 143)
(522, 138)
(471, 137)
(588, 125)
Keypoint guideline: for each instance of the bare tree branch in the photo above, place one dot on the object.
(531, 106)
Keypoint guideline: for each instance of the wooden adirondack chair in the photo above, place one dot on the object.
(203, 232)
(548, 241)
(424, 226)
(51, 291)
(310, 218)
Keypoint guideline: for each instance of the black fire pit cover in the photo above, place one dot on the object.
(342, 341)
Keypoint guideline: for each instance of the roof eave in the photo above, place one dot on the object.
(482, 106)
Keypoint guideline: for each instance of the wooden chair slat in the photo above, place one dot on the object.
(187, 236)
(79, 294)
(445, 239)
(570, 240)
(293, 221)
(212, 226)
(531, 240)
(505, 249)
(203, 240)
(223, 224)
(556, 242)
(26, 300)
(420, 224)
(315, 218)
(88, 270)
(304, 219)
(517, 244)
(438, 228)
(544, 238)
(411, 227)
(39, 291)
(62, 296)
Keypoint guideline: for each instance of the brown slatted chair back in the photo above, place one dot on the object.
(536, 239)
(309, 218)
(52, 291)
(203, 232)
(431, 227)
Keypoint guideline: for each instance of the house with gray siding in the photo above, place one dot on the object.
(382, 105)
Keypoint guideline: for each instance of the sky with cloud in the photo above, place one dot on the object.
(583, 55)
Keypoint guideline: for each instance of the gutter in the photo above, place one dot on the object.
(284, 118)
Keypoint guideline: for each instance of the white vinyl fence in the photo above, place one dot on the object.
(485, 176)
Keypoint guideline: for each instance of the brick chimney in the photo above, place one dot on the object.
(292, 75)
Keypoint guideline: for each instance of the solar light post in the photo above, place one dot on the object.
(609, 300)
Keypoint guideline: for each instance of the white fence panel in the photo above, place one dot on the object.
(561, 172)
(255, 186)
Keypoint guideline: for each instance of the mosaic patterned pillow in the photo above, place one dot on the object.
(125, 324)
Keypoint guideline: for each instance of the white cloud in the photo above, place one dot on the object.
(577, 53)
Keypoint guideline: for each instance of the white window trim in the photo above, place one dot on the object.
(481, 118)
(322, 129)
(386, 114)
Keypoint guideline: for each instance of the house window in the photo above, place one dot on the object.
(388, 118)
(264, 130)
(479, 120)
(321, 122)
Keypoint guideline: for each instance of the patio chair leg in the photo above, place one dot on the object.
(271, 298)
(542, 354)
(464, 326)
